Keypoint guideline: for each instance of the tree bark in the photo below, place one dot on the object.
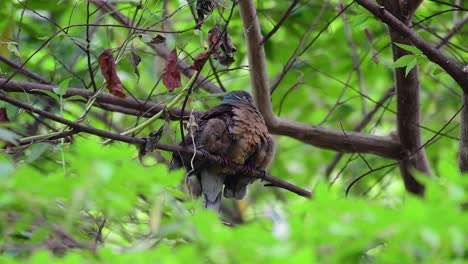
(408, 102)
(463, 144)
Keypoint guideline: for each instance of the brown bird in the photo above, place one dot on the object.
(235, 130)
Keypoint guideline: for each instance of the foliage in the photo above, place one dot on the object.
(79, 201)
(145, 219)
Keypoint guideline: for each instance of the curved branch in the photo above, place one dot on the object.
(431, 52)
(77, 127)
(127, 105)
(314, 135)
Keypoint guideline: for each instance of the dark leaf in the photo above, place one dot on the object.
(6, 136)
(3, 115)
(135, 61)
(199, 61)
(150, 143)
(108, 68)
(204, 7)
(221, 45)
(214, 36)
(171, 73)
(158, 39)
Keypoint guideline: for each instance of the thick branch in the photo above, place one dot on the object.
(463, 145)
(408, 104)
(139, 141)
(317, 136)
(342, 141)
(431, 52)
(127, 105)
(314, 135)
(257, 62)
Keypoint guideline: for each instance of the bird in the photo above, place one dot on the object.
(236, 131)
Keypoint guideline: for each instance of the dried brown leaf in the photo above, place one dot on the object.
(158, 39)
(3, 115)
(171, 73)
(220, 43)
(135, 61)
(199, 61)
(108, 68)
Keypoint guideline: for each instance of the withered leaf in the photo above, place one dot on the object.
(135, 61)
(8, 137)
(3, 115)
(150, 142)
(199, 61)
(220, 43)
(158, 39)
(108, 68)
(171, 73)
(204, 7)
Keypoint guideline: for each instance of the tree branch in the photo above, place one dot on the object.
(77, 127)
(127, 105)
(431, 52)
(314, 135)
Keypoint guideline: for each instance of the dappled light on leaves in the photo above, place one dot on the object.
(108, 69)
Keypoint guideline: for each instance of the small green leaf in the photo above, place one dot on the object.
(410, 66)
(12, 47)
(36, 151)
(409, 48)
(62, 87)
(8, 136)
(404, 61)
(76, 98)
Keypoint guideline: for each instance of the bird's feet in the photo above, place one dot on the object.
(224, 160)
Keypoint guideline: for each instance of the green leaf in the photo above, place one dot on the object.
(437, 71)
(62, 87)
(410, 66)
(76, 98)
(409, 48)
(49, 93)
(36, 151)
(404, 61)
(12, 47)
(8, 136)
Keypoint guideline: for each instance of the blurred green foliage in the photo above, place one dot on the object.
(146, 221)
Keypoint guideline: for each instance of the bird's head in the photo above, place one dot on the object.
(237, 96)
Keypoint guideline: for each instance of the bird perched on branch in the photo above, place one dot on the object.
(236, 131)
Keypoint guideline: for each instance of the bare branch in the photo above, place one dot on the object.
(280, 23)
(125, 105)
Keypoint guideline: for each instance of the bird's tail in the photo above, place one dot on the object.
(212, 186)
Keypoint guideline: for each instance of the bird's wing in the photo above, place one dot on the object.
(209, 122)
(256, 146)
